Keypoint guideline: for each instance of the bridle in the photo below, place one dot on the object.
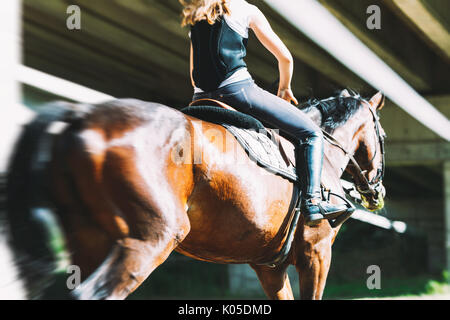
(376, 182)
(364, 186)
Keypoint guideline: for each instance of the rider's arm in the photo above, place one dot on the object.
(270, 40)
(191, 65)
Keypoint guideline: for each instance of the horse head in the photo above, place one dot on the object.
(369, 155)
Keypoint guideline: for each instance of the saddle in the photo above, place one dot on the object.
(263, 145)
(268, 149)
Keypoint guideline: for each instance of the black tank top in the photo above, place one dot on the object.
(218, 51)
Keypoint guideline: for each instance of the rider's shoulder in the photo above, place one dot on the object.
(243, 5)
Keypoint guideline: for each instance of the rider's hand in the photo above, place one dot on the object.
(286, 94)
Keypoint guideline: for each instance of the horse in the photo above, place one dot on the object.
(131, 181)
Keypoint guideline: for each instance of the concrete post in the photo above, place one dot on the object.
(9, 59)
(10, 288)
(446, 169)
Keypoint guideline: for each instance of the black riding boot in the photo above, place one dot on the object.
(309, 169)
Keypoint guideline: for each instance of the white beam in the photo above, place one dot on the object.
(11, 122)
(379, 221)
(404, 69)
(332, 36)
(372, 218)
(58, 86)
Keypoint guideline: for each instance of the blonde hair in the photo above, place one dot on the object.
(198, 10)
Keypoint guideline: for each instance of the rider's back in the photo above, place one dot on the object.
(219, 49)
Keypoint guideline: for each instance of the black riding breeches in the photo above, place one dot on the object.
(246, 97)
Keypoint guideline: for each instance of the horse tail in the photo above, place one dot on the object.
(29, 201)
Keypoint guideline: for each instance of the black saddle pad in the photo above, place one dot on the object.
(220, 115)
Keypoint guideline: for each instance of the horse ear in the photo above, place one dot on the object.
(377, 101)
(344, 93)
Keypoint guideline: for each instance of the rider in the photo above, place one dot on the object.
(219, 35)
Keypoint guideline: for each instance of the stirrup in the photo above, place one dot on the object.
(314, 219)
(333, 214)
(334, 218)
(344, 215)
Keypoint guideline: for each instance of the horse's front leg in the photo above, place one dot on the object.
(313, 260)
(275, 282)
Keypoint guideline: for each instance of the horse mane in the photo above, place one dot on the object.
(335, 111)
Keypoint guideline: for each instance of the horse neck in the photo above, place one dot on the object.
(346, 135)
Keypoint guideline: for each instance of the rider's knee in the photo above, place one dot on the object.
(314, 135)
(317, 133)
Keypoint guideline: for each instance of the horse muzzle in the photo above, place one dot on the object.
(375, 200)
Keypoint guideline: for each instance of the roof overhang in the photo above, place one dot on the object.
(336, 39)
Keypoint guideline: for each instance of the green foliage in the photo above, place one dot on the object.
(446, 276)
(392, 287)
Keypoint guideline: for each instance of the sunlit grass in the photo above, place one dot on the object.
(407, 288)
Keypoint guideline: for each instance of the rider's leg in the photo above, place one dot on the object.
(249, 98)
(309, 161)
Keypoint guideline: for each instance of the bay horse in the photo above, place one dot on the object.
(131, 181)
